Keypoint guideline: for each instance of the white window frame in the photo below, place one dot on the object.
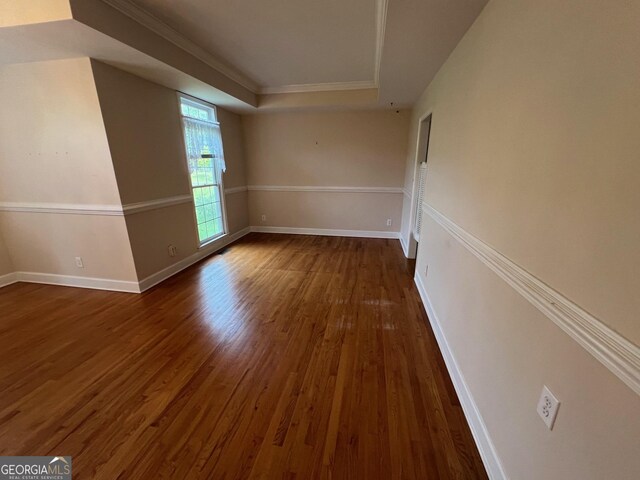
(213, 118)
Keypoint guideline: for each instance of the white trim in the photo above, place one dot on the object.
(612, 350)
(204, 251)
(132, 208)
(153, 23)
(416, 169)
(94, 209)
(8, 279)
(403, 243)
(233, 190)
(329, 189)
(319, 87)
(61, 208)
(81, 282)
(326, 232)
(122, 285)
(471, 412)
(381, 23)
(406, 193)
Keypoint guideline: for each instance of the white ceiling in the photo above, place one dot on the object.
(306, 45)
(419, 37)
(279, 43)
(71, 39)
(388, 49)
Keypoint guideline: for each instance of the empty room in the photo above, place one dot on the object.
(344, 239)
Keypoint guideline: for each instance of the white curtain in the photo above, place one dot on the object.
(203, 139)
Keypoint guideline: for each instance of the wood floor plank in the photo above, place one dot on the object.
(293, 357)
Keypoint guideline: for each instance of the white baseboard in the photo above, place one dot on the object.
(326, 232)
(405, 248)
(619, 355)
(80, 282)
(474, 418)
(8, 279)
(121, 285)
(154, 279)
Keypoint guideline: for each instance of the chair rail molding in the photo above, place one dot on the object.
(94, 209)
(233, 190)
(329, 189)
(61, 208)
(614, 351)
(131, 208)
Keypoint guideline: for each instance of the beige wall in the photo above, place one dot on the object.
(327, 148)
(6, 265)
(142, 121)
(53, 146)
(48, 243)
(534, 151)
(326, 210)
(53, 150)
(144, 129)
(14, 13)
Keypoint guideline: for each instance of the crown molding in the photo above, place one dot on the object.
(153, 23)
(319, 87)
(615, 352)
(381, 18)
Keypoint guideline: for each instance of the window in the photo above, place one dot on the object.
(205, 159)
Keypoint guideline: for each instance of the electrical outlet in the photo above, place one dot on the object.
(388, 222)
(173, 251)
(79, 262)
(264, 217)
(548, 406)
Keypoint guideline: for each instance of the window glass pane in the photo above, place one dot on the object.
(208, 212)
(218, 225)
(202, 231)
(210, 229)
(204, 171)
(200, 216)
(197, 196)
(217, 213)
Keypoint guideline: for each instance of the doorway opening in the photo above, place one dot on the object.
(419, 183)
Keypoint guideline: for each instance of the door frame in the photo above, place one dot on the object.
(412, 245)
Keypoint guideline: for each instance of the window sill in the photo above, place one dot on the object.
(208, 242)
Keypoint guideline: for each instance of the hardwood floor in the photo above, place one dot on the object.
(283, 357)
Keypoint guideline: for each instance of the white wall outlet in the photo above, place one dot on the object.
(389, 222)
(79, 263)
(173, 251)
(548, 406)
(264, 217)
